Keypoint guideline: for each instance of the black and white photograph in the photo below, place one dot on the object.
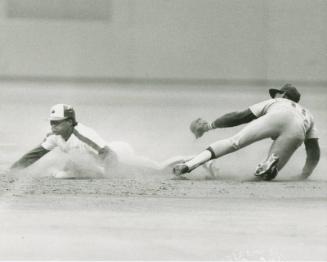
(163, 130)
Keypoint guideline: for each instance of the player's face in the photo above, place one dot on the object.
(61, 127)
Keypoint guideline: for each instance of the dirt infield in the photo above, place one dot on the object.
(163, 219)
(152, 216)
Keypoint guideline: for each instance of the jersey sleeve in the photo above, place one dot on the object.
(29, 158)
(260, 109)
(312, 133)
(50, 142)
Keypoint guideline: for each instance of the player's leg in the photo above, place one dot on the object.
(190, 165)
(145, 162)
(170, 162)
(264, 127)
(285, 148)
(127, 156)
(280, 152)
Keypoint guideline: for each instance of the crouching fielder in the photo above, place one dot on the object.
(86, 152)
(281, 118)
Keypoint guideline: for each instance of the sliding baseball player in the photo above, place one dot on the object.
(99, 157)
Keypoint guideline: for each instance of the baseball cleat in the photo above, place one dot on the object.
(268, 170)
(270, 175)
(180, 169)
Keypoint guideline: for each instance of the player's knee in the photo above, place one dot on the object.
(235, 142)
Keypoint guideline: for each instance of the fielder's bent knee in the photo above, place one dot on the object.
(235, 142)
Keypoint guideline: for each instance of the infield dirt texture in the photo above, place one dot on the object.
(147, 216)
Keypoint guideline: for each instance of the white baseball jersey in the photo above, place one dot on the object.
(83, 139)
(304, 117)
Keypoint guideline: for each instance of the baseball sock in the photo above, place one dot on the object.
(199, 159)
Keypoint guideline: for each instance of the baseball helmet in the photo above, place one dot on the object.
(61, 112)
(291, 92)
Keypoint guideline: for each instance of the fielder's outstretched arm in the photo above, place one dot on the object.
(313, 155)
(30, 158)
(199, 126)
(234, 119)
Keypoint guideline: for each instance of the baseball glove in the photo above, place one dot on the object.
(199, 126)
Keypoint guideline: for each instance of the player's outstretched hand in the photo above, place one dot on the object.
(199, 126)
